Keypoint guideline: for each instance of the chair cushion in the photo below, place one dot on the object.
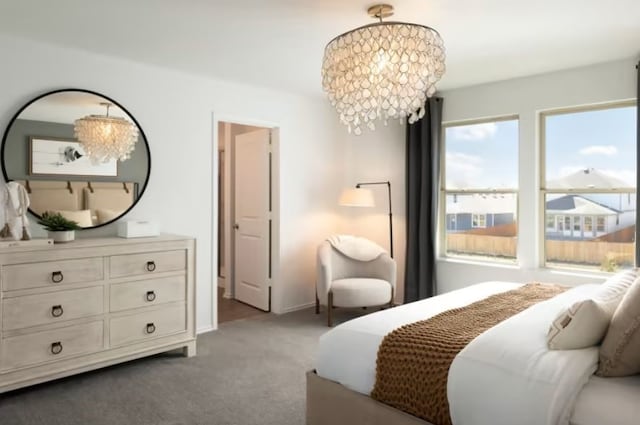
(360, 292)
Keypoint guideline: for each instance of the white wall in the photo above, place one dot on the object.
(382, 153)
(379, 156)
(176, 112)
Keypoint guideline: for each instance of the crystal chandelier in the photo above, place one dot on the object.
(105, 138)
(382, 70)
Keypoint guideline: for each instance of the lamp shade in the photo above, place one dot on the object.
(357, 197)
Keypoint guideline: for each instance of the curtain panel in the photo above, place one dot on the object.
(424, 147)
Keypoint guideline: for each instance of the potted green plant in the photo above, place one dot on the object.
(60, 229)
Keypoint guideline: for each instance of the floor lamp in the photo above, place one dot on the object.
(361, 197)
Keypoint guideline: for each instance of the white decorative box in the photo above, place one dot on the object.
(138, 229)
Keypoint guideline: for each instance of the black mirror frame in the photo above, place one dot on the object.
(144, 138)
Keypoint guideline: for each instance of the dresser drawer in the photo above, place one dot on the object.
(147, 263)
(51, 273)
(141, 326)
(144, 293)
(52, 307)
(40, 347)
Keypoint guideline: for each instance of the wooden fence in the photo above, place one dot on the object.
(590, 252)
(493, 246)
(575, 252)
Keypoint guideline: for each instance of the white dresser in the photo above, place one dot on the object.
(91, 303)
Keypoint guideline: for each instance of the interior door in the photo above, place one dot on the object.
(252, 199)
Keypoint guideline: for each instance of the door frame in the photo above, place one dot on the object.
(217, 120)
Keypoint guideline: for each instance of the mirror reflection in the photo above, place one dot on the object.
(79, 154)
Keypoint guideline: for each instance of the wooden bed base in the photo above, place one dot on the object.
(329, 403)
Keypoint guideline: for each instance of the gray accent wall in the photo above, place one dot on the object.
(16, 154)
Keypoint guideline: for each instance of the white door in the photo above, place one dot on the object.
(252, 239)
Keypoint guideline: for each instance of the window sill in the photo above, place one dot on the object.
(567, 271)
(558, 271)
(485, 263)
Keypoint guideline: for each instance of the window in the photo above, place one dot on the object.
(479, 189)
(551, 222)
(576, 224)
(560, 223)
(601, 227)
(588, 226)
(589, 178)
(479, 220)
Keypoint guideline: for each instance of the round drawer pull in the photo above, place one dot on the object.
(151, 266)
(56, 348)
(57, 311)
(151, 328)
(151, 296)
(57, 277)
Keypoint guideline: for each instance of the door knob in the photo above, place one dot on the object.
(236, 226)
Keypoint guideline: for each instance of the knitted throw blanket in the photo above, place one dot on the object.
(414, 360)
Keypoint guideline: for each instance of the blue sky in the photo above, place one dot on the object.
(486, 155)
(603, 139)
(482, 155)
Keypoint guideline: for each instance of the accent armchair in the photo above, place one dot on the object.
(346, 282)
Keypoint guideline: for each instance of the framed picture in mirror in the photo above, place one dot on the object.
(65, 157)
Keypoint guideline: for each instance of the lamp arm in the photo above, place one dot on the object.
(388, 184)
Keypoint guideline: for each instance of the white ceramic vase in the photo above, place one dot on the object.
(61, 237)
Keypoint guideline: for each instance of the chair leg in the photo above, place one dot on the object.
(391, 301)
(329, 309)
(317, 304)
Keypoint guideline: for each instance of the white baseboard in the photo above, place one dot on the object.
(298, 307)
(205, 329)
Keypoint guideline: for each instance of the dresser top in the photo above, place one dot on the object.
(81, 243)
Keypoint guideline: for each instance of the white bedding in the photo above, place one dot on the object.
(609, 401)
(527, 381)
(347, 354)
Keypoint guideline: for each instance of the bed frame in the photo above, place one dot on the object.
(329, 403)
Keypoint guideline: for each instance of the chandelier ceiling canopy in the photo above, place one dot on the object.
(385, 70)
(104, 137)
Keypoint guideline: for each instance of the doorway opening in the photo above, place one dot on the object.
(246, 217)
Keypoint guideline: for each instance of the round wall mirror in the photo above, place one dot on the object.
(78, 153)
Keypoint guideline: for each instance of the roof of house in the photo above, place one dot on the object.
(499, 203)
(588, 178)
(579, 205)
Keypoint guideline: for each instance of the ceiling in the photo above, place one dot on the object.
(279, 43)
(66, 107)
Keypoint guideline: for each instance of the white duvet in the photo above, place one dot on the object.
(508, 376)
(505, 376)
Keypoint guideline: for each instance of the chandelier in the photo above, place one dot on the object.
(385, 70)
(105, 138)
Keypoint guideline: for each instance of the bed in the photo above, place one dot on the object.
(529, 383)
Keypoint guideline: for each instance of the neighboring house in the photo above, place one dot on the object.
(576, 217)
(569, 217)
(470, 212)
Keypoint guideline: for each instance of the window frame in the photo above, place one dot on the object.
(478, 221)
(443, 192)
(543, 191)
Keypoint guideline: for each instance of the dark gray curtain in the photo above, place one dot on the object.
(423, 175)
(638, 166)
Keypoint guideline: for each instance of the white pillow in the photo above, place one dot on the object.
(82, 217)
(585, 323)
(105, 216)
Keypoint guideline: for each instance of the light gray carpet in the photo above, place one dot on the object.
(250, 371)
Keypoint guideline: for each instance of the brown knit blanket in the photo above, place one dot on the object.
(414, 360)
